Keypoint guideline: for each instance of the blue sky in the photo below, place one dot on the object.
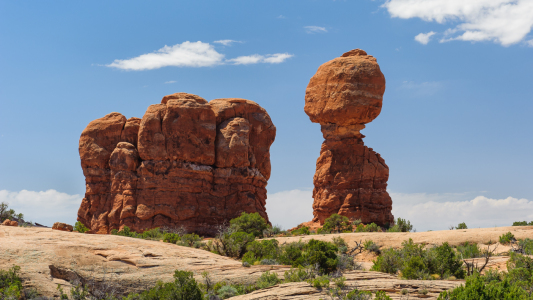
(456, 120)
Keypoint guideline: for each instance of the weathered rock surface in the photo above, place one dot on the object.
(350, 179)
(187, 162)
(50, 257)
(62, 226)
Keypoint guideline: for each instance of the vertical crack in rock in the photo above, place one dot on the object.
(187, 162)
(351, 179)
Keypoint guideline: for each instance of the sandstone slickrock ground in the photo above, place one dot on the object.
(350, 179)
(49, 257)
(187, 162)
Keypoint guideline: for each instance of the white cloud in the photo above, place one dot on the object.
(530, 43)
(290, 208)
(423, 38)
(45, 207)
(503, 21)
(439, 211)
(186, 54)
(189, 54)
(171, 81)
(315, 29)
(256, 58)
(226, 42)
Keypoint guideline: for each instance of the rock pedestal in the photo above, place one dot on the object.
(187, 162)
(350, 179)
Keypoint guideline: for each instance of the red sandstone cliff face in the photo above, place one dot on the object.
(187, 162)
(350, 179)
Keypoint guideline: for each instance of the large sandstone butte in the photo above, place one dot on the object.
(350, 179)
(187, 162)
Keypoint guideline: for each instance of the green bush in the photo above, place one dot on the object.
(477, 288)
(461, 226)
(7, 213)
(527, 245)
(230, 243)
(10, 284)
(79, 227)
(469, 250)
(372, 227)
(341, 244)
(183, 287)
(227, 291)
(191, 240)
(404, 225)
(371, 246)
(323, 255)
(261, 250)
(337, 223)
(507, 238)
(415, 262)
(360, 228)
(297, 275)
(301, 231)
(172, 238)
(267, 279)
(251, 223)
(319, 282)
(381, 295)
(356, 294)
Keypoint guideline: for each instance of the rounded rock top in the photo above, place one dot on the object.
(347, 90)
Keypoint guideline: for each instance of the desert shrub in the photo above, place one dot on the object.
(267, 279)
(507, 238)
(319, 282)
(154, 234)
(251, 223)
(404, 225)
(297, 275)
(372, 227)
(461, 226)
(190, 240)
(79, 227)
(10, 284)
(469, 250)
(183, 287)
(230, 243)
(360, 228)
(356, 222)
(371, 246)
(358, 295)
(381, 295)
(125, 231)
(337, 223)
(261, 250)
(227, 291)
(341, 244)
(304, 230)
(415, 262)
(272, 231)
(527, 245)
(172, 238)
(322, 254)
(476, 287)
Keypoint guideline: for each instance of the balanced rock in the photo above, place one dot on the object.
(187, 162)
(350, 179)
(62, 226)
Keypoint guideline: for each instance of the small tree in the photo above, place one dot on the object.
(461, 226)
(6, 212)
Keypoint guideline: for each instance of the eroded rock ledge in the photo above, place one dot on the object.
(186, 162)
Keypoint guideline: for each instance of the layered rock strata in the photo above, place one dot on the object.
(187, 162)
(350, 179)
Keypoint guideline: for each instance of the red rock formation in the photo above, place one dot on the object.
(62, 227)
(8, 222)
(187, 162)
(350, 179)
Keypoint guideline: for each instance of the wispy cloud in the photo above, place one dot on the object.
(315, 29)
(188, 54)
(281, 17)
(530, 43)
(171, 81)
(256, 58)
(227, 42)
(505, 22)
(45, 207)
(423, 38)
